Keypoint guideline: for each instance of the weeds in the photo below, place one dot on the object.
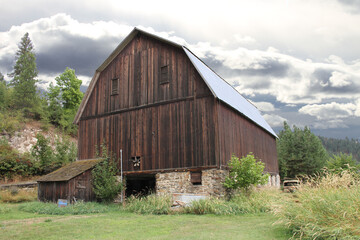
(326, 207)
(15, 195)
(256, 202)
(151, 204)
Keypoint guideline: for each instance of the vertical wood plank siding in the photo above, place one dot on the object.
(79, 187)
(239, 136)
(178, 124)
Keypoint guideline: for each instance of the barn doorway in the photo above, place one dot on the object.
(140, 185)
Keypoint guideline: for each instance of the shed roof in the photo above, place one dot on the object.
(218, 86)
(70, 171)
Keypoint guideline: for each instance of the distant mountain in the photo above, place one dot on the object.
(336, 146)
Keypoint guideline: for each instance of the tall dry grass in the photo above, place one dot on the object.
(324, 207)
(17, 195)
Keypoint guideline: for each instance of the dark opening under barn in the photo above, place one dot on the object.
(140, 184)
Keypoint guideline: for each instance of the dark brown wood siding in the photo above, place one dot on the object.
(138, 69)
(174, 135)
(240, 136)
(79, 187)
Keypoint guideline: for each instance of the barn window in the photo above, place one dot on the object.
(195, 178)
(164, 74)
(114, 86)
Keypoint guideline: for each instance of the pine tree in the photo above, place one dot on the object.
(24, 75)
(300, 152)
(2, 79)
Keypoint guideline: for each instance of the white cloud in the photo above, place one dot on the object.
(330, 110)
(274, 120)
(333, 123)
(264, 106)
(339, 79)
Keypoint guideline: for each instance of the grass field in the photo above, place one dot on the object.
(16, 224)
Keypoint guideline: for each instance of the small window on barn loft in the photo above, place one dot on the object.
(164, 74)
(114, 86)
(195, 178)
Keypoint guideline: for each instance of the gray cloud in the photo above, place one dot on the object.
(80, 53)
(354, 5)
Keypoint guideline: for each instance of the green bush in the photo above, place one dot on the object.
(10, 122)
(105, 184)
(151, 204)
(245, 173)
(74, 209)
(325, 207)
(13, 163)
(48, 159)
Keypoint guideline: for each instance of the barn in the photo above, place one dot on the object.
(175, 120)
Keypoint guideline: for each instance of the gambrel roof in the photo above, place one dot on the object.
(219, 87)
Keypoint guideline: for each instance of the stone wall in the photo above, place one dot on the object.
(211, 183)
(180, 182)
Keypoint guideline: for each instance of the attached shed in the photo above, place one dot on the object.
(71, 182)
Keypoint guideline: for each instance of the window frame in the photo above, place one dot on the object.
(114, 91)
(164, 76)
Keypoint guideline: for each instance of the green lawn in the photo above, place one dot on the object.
(15, 224)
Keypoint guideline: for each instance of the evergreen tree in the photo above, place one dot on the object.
(24, 75)
(299, 152)
(2, 79)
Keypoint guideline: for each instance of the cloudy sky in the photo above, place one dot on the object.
(297, 61)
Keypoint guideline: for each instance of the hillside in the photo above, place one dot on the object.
(336, 146)
(24, 138)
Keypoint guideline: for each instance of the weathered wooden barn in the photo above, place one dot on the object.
(176, 121)
(71, 182)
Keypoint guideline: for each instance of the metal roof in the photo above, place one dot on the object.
(226, 93)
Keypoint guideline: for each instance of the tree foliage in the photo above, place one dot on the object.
(64, 99)
(337, 146)
(23, 77)
(245, 173)
(47, 159)
(300, 152)
(341, 162)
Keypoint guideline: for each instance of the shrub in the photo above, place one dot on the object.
(151, 204)
(326, 207)
(13, 163)
(104, 179)
(74, 209)
(245, 173)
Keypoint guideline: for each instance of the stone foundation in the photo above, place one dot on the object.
(180, 182)
(211, 183)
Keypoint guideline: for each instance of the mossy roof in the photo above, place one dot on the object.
(70, 171)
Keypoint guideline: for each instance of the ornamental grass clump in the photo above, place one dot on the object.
(151, 204)
(325, 207)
